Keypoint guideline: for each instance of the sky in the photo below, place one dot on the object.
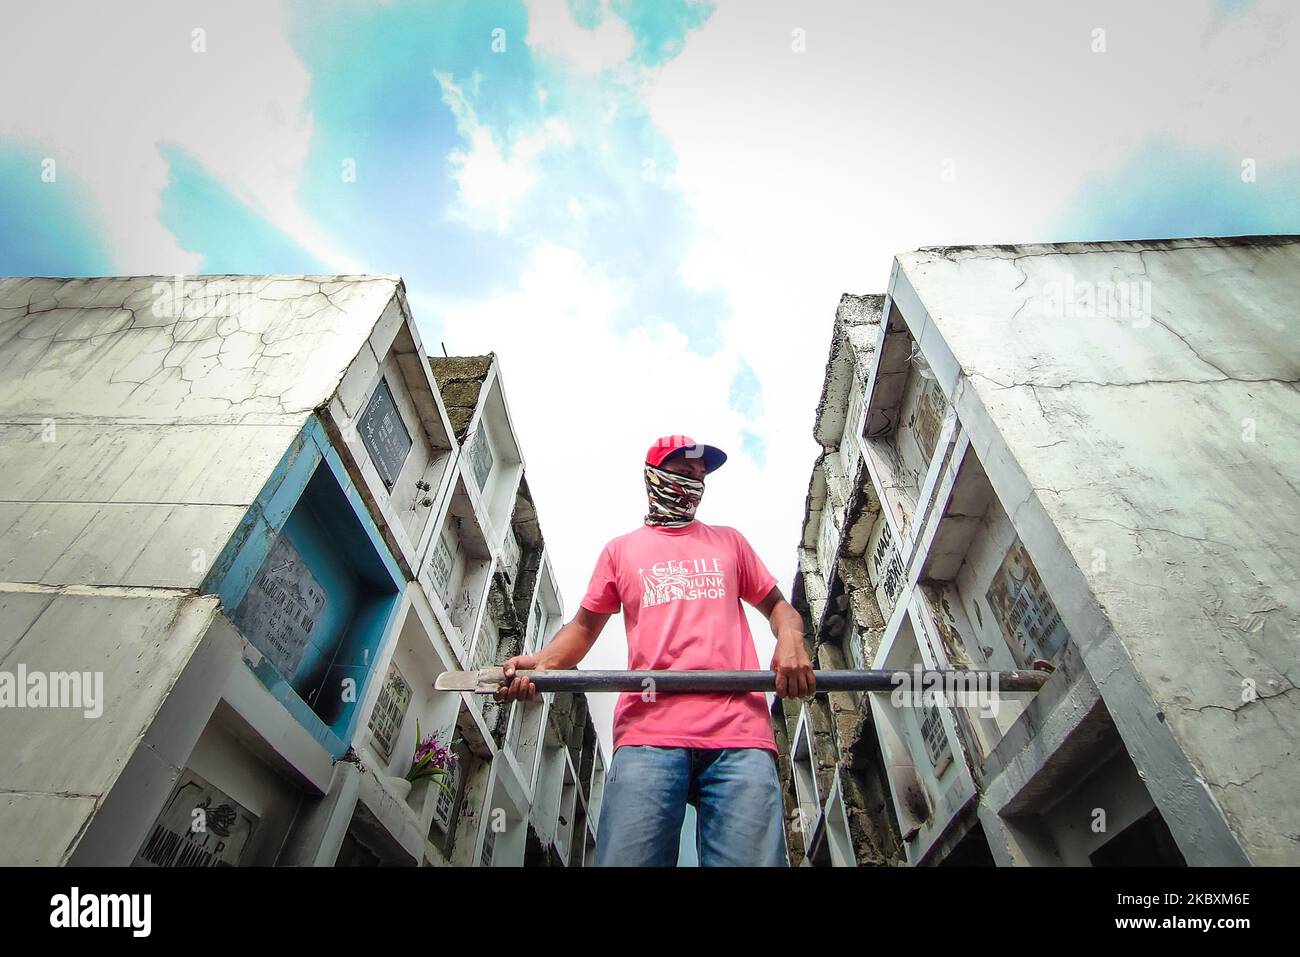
(648, 209)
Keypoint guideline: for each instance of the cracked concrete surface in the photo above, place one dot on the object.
(139, 418)
(1160, 445)
(241, 349)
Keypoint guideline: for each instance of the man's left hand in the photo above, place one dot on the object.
(794, 672)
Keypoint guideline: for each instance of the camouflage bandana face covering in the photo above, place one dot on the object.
(673, 497)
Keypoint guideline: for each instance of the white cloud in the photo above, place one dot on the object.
(98, 90)
(552, 32)
(492, 181)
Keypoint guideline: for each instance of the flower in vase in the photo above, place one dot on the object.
(433, 761)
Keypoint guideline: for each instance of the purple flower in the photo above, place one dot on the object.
(440, 756)
(431, 760)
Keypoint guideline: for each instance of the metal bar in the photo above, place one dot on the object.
(488, 680)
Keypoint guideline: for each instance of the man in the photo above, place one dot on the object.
(679, 583)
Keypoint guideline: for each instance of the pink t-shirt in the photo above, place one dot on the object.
(680, 592)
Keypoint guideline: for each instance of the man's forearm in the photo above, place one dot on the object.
(790, 661)
(569, 646)
(786, 622)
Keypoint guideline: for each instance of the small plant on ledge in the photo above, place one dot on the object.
(432, 761)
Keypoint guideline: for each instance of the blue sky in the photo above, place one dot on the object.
(379, 98)
(647, 208)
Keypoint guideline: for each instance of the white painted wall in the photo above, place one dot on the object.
(1148, 458)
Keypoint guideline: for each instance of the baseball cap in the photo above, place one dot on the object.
(670, 446)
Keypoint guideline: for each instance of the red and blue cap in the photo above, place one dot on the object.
(679, 446)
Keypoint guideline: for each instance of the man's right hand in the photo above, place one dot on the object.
(568, 647)
(517, 687)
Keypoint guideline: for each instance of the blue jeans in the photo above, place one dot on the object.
(736, 792)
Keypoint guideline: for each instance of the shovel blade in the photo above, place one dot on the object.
(482, 681)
